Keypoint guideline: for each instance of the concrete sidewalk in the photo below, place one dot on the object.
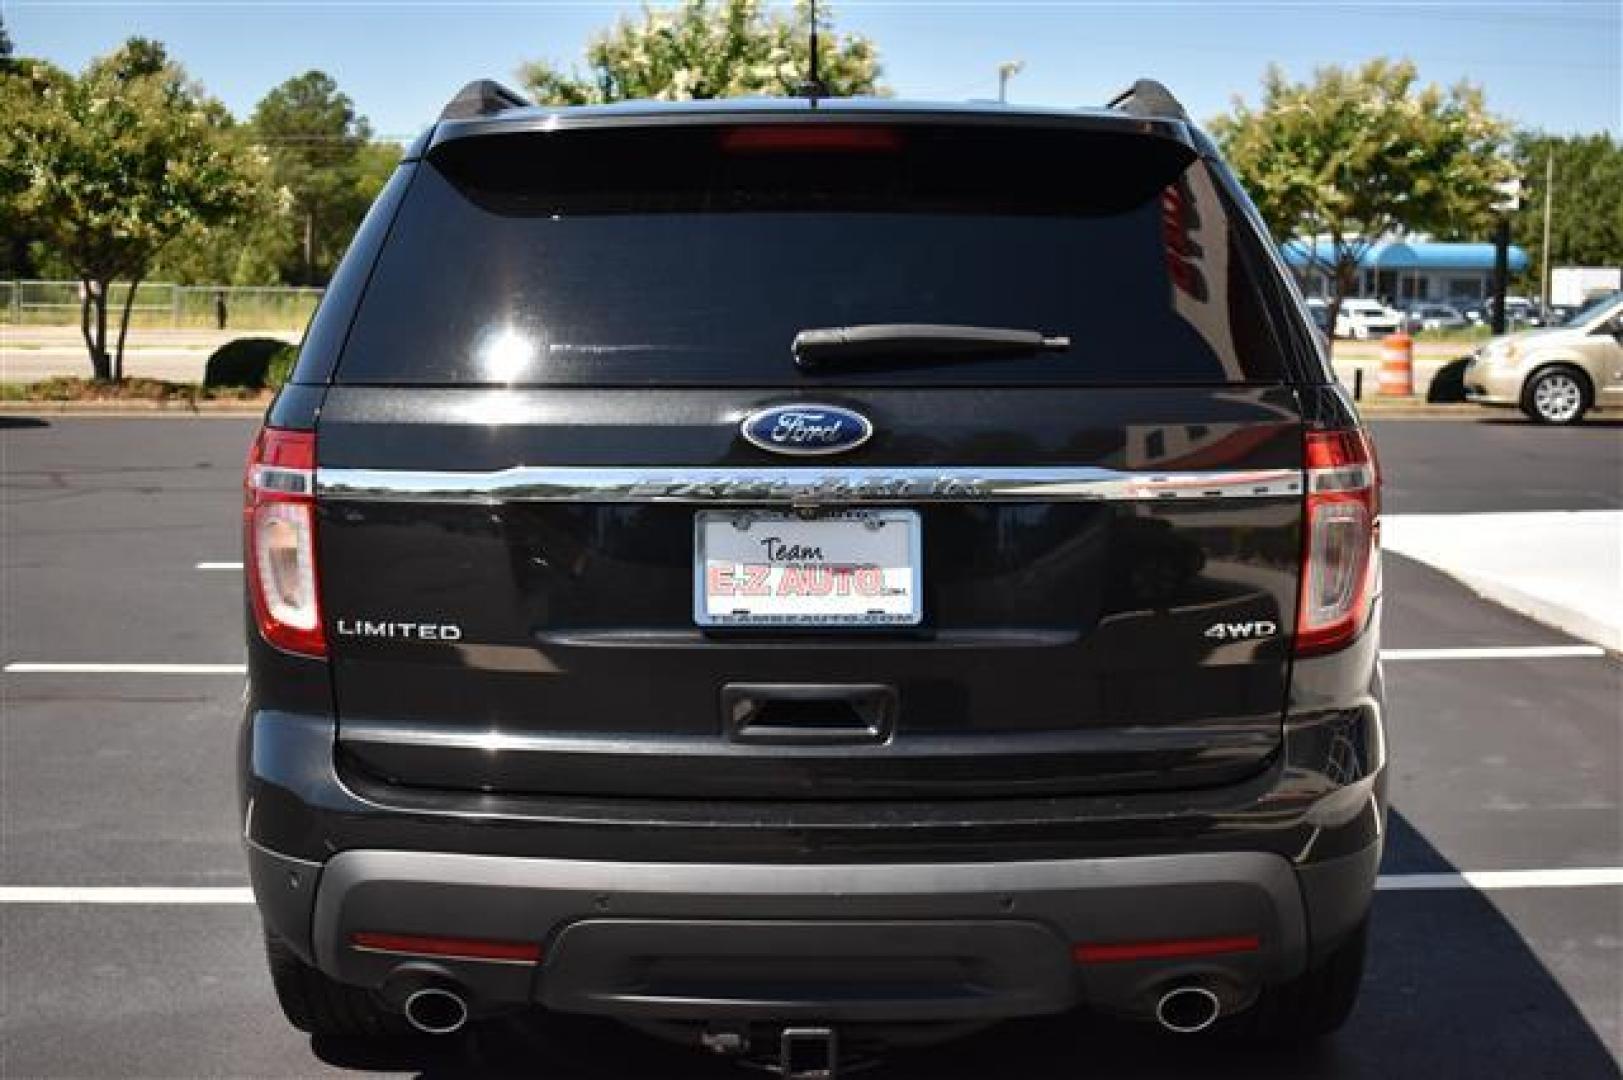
(34, 353)
(1563, 568)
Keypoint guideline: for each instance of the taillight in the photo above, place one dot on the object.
(279, 522)
(1341, 557)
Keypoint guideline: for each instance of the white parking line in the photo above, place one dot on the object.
(120, 894)
(125, 669)
(219, 566)
(1480, 880)
(1490, 880)
(1496, 652)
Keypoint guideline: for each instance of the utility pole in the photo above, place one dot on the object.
(1544, 249)
(1006, 71)
(1510, 198)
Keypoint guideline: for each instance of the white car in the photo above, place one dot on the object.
(1365, 319)
(1434, 317)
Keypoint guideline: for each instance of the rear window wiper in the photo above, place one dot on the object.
(917, 342)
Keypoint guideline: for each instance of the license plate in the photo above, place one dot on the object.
(854, 568)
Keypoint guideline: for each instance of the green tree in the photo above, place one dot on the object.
(317, 144)
(711, 49)
(1586, 208)
(117, 162)
(1355, 154)
(16, 235)
(266, 249)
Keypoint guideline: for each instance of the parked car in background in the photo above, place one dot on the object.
(1363, 319)
(1432, 316)
(1319, 312)
(1556, 375)
(1519, 311)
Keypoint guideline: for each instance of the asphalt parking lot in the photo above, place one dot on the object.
(114, 779)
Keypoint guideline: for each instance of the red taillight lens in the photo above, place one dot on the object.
(459, 948)
(830, 138)
(1177, 949)
(1341, 557)
(279, 524)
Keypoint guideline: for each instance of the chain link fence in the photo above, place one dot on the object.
(162, 304)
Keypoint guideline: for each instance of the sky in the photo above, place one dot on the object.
(1555, 65)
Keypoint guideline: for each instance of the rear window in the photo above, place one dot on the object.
(695, 254)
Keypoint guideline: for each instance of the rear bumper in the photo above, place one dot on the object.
(945, 910)
(884, 943)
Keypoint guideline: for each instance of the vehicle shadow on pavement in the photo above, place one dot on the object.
(1451, 990)
(1589, 423)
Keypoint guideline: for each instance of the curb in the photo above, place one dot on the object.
(1415, 409)
(155, 409)
(1552, 614)
(166, 409)
(1370, 409)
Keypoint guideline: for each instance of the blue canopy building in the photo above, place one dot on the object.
(1395, 270)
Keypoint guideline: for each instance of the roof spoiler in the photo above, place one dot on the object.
(1146, 97)
(482, 97)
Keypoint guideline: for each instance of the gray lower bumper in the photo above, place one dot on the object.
(836, 942)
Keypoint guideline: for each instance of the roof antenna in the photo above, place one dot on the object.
(814, 87)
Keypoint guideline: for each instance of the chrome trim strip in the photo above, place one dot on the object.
(746, 486)
(371, 733)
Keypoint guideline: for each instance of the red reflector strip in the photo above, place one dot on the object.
(1164, 950)
(810, 137)
(460, 948)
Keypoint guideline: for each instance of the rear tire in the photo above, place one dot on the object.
(1313, 1004)
(321, 1006)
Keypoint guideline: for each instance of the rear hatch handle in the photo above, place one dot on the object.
(809, 714)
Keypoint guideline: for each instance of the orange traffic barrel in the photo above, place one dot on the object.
(1397, 366)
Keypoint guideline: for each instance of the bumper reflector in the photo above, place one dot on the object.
(455, 948)
(1164, 950)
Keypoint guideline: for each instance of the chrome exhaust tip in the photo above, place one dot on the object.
(1188, 1009)
(434, 1010)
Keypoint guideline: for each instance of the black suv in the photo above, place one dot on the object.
(798, 574)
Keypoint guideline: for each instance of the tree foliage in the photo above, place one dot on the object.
(1586, 210)
(16, 232)
(711, 49)
(320, 153)
(1353, 155)
(117, 162)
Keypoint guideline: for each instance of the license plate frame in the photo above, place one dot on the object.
(824, 610)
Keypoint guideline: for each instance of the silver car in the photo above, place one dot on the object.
(1555, 375)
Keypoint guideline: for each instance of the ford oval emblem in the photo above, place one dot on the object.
(806, 429)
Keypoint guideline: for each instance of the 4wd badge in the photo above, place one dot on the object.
(1242, 631)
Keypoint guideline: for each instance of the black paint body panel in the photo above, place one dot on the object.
(1063, 646)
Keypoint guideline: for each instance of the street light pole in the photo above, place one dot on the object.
(1501, 270)
(1006, 71)
(1544, 249)
(1510, 198)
